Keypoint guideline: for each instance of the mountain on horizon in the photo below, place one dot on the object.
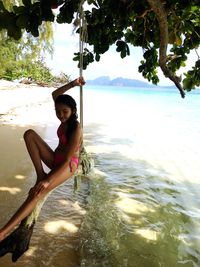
(119, 81)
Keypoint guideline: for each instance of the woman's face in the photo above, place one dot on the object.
(63, 112)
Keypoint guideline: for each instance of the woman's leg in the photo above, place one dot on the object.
(39, 151)
(31, 202)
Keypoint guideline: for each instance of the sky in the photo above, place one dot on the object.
(66, 43)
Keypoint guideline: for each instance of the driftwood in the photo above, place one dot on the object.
(18, 241)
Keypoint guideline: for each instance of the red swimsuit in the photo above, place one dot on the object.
(61, 157)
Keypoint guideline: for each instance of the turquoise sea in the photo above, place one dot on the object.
(143, 206)
(140, 207)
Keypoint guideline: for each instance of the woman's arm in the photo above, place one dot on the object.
(61, 90)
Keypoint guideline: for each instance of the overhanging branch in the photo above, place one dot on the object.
(161, 15)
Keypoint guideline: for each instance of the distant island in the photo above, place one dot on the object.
(119, 81)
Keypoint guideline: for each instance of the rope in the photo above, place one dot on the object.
(85, 159)
(82, 39)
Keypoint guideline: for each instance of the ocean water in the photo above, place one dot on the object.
(143, 206)
(140, 205)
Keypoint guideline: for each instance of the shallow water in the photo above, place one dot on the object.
(144, 207)
(140, 206)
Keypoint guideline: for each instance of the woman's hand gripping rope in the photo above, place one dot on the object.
(79, 81)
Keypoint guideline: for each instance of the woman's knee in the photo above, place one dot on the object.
(29, 134)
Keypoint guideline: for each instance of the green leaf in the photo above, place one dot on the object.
(26, 2)
(90, 57)
(14, 32)
(127, 50)
(97, 57)
(2, 8)
(22, 21)
(34, 31)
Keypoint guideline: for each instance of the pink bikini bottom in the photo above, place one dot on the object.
(59, 159)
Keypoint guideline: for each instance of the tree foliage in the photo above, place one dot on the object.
(24, 57)
(21, 59)
(166, 31)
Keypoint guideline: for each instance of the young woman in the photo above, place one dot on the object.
(62, 162)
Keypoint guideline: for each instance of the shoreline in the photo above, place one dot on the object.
(22, 103)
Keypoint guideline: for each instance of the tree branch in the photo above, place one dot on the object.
(145, 13)
(161, 15)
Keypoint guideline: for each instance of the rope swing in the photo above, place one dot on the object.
(82, 40)
(85, 159)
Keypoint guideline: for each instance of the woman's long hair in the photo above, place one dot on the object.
(73, 120)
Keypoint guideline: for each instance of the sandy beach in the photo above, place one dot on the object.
(18, 101)
(21, 107)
